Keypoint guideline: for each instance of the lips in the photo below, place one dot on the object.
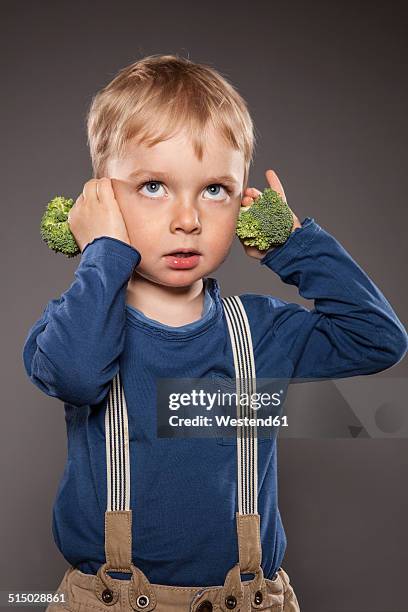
(184, 260)
(184, 252)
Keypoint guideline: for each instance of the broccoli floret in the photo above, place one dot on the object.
(55, 229)
(267, 222)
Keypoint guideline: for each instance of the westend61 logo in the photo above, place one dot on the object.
(192, 408)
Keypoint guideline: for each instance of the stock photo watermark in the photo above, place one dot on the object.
(219, 407)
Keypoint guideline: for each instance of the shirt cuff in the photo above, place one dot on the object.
(298, 240)
(107, 245)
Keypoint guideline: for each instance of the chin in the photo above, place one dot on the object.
(181, 279)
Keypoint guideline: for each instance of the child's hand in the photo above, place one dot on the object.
(250, 194)
(96, 213)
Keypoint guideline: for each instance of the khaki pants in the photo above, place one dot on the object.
(79, 591)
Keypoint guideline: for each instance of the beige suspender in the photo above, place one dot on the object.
(247, 517)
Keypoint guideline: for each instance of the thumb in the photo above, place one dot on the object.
(274, 183)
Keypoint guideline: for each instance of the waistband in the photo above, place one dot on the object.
(80, 590)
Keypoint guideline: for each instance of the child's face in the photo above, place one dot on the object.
(184, 205)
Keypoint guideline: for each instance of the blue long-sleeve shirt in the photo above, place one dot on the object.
(183, 491)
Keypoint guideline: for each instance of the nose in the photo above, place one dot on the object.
(186, 218)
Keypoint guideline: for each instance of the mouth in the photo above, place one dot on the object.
(183, 252)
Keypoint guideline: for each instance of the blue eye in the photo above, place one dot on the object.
(217, 186)
(154, 187)
(155, 183)
(212, 187)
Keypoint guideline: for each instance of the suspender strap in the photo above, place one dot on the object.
(117, 448)
(247, 517)
(118, 516)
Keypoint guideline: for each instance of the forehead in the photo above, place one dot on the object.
(176, 156)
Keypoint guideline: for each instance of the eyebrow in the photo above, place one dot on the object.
(227, 178)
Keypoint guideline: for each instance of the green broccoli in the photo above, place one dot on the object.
(55, 229)
(267, 222)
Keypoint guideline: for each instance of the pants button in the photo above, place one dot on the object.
(142, 601)
(231, 602)
(107, 596)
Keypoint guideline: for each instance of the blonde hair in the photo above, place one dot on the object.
(152, 98)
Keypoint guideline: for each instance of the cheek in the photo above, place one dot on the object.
(146, 235)
(223, 233)
(229, 222)
(136, 219)
(144, 241)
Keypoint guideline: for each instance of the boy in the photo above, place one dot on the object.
(171, 143)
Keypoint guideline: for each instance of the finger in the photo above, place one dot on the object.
(275, 183)
(247, 201)
(90, 189)
(105, 189)
(253, 192)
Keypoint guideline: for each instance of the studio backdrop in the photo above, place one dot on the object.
(326, 86)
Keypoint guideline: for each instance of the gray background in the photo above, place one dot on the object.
(325, 85)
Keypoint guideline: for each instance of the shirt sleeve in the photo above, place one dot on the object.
(352, 329)
(72, 352)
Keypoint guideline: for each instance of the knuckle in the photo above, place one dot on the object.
(89, 186)
(105, 182)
